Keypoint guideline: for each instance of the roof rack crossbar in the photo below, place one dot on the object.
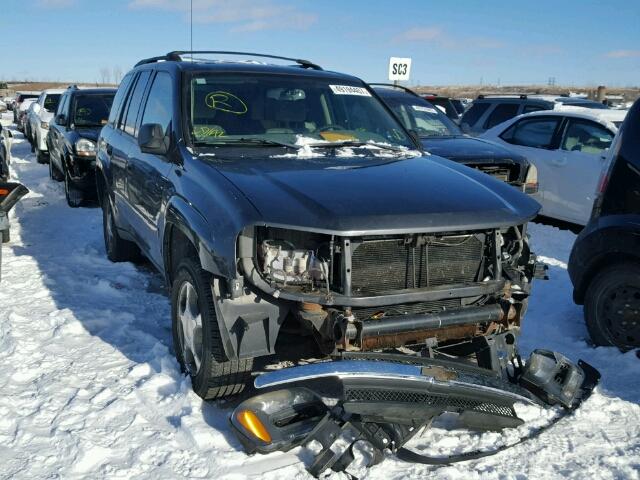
(393, 85)
(522, 96)
(176, 56)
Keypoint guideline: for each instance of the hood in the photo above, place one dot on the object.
(90, 133)
(469, 150)
(367, 195)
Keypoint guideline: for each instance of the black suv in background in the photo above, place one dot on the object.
(71, 141)
(287, 207)
(605, 261)
(487, 111)
(440, 136)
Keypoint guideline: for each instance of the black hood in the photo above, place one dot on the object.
(90, 133)
(469, 150)
(367, 195)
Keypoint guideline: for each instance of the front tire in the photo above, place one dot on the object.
(196, 335)
(54, 173)
(73, 194)
(42, 157)
(612, 307)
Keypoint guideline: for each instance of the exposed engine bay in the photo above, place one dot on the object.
(372, 292)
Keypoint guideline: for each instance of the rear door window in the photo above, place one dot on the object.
(532, 108)
(123, 89)
(129, 122)
(474, 113)
(532, 132)
(586, 136)
(502, 113)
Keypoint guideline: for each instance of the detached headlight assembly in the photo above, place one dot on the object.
(85, 148)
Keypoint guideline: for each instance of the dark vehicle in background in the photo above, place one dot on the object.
(288, 208)
(440, 136)
(71, 141)
(447, 104)
(605, 261)
(19, 98)
(487, 111)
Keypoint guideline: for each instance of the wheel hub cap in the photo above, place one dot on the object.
(190, 325)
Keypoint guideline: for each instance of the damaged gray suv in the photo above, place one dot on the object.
(290, 212)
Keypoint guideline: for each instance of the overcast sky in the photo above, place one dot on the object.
(451, 42)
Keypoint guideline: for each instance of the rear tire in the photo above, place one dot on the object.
(203, 358)
(612, 307)
(118, 250)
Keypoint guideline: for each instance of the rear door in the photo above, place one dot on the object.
(584, 144)
(147, 174)
(122, 141)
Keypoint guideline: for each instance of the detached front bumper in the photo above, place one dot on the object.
(385, 401)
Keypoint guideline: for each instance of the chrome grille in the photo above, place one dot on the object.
(380, 266)
(502, 173)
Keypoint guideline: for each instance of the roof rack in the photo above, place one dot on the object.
(400, 87)
(522, 96)
(176, 56)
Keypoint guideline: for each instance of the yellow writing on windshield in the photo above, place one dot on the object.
(226, 102)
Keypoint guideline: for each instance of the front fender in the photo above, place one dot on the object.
(216, 255)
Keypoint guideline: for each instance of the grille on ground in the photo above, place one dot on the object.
(449, 403)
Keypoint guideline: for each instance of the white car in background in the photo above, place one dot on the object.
(38, 118)
(568, 146)
(21, 121)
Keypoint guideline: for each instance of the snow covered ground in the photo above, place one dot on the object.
(89, 387)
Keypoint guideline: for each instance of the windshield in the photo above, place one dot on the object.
(269, 109)
(92, 110)
(422, 117)
(51, 102)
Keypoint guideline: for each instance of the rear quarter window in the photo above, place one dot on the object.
(502, 113)
(474, 113)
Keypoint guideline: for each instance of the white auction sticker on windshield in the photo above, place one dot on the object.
(349, 90)
(420, 108)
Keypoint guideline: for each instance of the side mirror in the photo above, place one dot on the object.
(61, 119)
(151, 139)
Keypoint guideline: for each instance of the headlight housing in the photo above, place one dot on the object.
(531, 181)
(292, 258)
(44, 125)
(85, 148)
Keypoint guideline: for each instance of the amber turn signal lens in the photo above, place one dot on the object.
(3, 192)
(252, 423)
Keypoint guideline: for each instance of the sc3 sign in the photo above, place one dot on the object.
(399, 68)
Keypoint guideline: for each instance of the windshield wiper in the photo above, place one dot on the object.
(353, 143)
(249, 141)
